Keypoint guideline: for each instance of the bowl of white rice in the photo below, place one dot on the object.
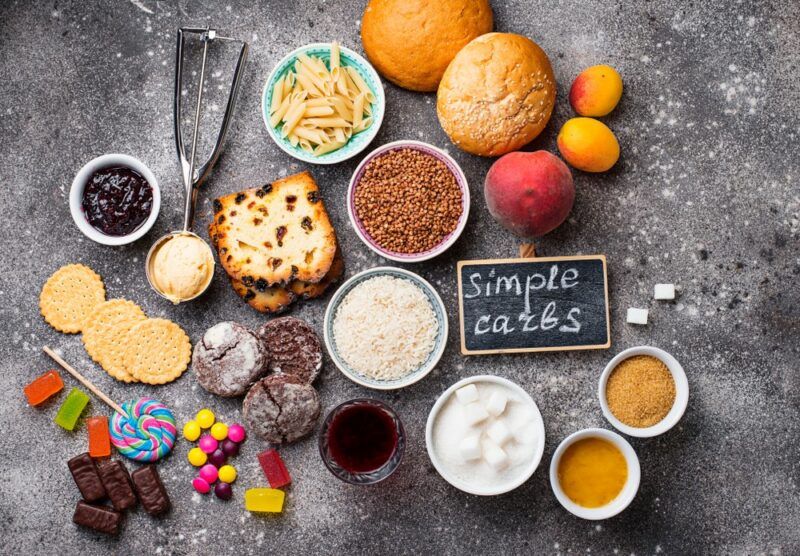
(385, 328)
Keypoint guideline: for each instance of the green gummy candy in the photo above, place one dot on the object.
(70, 411)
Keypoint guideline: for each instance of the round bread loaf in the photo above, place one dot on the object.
(410, 42)
(497, 94)
(281, 408)
(228, 359)
(293, 347)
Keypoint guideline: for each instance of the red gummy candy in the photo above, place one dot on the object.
(99, 440)
(274, 469)
(43, 388)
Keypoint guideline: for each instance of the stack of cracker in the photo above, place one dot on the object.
(276, 243)
(116, 333)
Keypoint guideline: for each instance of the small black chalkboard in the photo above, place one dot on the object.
(539, 304)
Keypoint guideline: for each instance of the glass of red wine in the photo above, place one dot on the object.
(362, 441)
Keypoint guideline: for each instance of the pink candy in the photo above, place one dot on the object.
(208, 443)
(209, 473)
(201, 485)
(236, 432)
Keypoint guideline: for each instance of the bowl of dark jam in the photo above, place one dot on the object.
(115, 199)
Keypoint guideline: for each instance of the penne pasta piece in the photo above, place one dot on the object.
(327, 147)
(368, 109)
(292, 118)
(348, 132)
(338, 135)
(293, 139)
(341, 108)
(313, 135)
(332, 121)
(305, 81)
(334, 55)
(358, 110)
(306, 146)
(316, 111)
(277, 96)
(278, 115)
(341, 84)
(360, 83)
(364, 124)
(319, 101)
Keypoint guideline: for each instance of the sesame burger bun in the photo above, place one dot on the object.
(497, 94)
(410, 42)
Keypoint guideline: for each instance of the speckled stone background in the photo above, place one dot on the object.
(705, 196)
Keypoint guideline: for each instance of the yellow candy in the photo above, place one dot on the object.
(205, 418)
(263, 500)
(227, 473)
(197, 457)
(219, 431)
(191, 431)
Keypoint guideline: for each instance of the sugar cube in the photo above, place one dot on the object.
(664, 291)
(470, 447)
(499, 432)
(495, 456)
(496, 404)
(467, 394)
(526, 433)
(637, 316)
(474, 413)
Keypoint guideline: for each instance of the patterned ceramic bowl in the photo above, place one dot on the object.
(435, 354)
(449, 240)
(358, 142)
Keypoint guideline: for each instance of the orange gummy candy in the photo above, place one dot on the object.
(43, 388)
(99, 440)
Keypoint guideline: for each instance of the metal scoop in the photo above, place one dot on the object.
(193, 175)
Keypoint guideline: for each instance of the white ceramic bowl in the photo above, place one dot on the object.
(449, 240)
(625, 496)
(348, 58)
(76, 198)
(681, 392)
(439, 345)
(524, 475)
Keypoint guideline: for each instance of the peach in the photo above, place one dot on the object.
(587, 144)
(596, 91)
(529, 193)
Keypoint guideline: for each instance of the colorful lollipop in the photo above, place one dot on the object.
(145, 431)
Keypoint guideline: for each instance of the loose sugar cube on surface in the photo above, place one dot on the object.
(664, 291)
(526, 433)
(467, 394)
(637, 316)
(474, 413)
(496, 404)
(499, 432)
(495, 456)
(470, 447)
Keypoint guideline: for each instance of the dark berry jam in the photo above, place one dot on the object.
(117, 200)
(362, 438)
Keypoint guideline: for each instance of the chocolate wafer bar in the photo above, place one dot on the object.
(98, 518)
(85, 474)
(118, 485)
(151, 491)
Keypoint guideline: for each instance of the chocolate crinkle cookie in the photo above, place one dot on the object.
(228, 359)
(281, 408)
(293, 347)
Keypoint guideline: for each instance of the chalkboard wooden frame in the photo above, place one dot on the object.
(486, 262)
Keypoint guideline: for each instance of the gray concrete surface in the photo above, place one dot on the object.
(705, 196)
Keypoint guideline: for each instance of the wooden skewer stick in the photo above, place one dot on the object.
(83, 380)
(527, 251)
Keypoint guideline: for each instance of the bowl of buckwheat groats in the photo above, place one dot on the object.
(408, 201)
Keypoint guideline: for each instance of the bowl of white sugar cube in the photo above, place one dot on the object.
(485, 435)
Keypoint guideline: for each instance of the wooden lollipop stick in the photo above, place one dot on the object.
(527, 251)
(83, 380)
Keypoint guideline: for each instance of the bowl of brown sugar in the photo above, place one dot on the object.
(408, 201)
(643, 391)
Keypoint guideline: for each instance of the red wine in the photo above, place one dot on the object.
(362, 438)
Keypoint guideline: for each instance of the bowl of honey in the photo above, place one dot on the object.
(595, 473)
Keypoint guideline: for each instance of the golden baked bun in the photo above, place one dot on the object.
(410, 42)
(497, 94)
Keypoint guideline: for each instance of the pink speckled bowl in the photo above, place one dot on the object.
(448, 240)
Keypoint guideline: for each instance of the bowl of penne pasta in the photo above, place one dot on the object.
(323, 103)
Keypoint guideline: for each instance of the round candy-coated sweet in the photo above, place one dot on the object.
(209, 473)
(230, 447)
(197, 457)
(236, 432)
(191, 431)
(219, 431)
(217, 458)
(201, 485)
(205, 418)
(223, 491)
(227, 474)
(208, 443)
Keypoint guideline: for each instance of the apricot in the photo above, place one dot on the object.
(587, 144)
(596, 91)
(529, 193)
